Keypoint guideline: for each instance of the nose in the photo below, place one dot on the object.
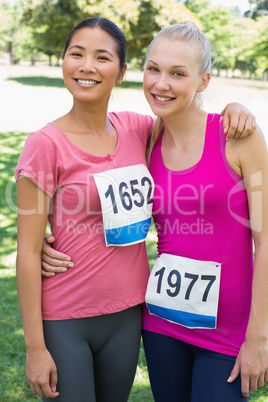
(87, 65)
(162, 83)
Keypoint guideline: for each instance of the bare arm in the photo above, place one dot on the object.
(32, 217)
(252, 360)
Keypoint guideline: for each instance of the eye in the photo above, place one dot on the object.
(151, 68)
(103, 58)
(75, 54)
(178, 74)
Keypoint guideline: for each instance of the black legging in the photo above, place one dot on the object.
(180, 372)
(96, 357)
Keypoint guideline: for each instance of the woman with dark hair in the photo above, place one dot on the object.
(89, 325)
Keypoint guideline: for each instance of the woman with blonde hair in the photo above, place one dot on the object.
(205, 327)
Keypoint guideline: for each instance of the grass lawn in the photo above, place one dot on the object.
(13, 384)
(59, 83)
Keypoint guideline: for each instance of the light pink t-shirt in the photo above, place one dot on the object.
(202, 213)
(104, 279)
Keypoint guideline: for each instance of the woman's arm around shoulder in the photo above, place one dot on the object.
(238, 121)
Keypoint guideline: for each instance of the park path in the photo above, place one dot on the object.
(27, 108)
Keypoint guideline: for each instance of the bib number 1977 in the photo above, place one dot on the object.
(174, 282)
(184, 291)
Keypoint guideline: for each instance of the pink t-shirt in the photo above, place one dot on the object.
(202, 213)
(104, 279)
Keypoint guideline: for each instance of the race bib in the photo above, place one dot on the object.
(184, 291)
(126, 196)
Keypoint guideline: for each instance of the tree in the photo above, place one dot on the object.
(143, 31)
(51, 22)
(170, 12)
(243, 45)
(10, 29)
(124, 13)
(218, 27)
(257, 8)
(261, 46)
(139, 20)
(174, 12)
(197, 6)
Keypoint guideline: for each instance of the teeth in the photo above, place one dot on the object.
(87, 82)
(162, 99)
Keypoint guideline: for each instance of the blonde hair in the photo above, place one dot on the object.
(186, 32)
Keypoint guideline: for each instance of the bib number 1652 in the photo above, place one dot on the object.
(131, 194)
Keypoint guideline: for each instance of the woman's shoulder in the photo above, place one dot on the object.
(255, 140)
(131, 117)
(48, 135)
(134, 124)
(41, 147)
(44, 135)
(249, 151)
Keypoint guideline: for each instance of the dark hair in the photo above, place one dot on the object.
(109, 27)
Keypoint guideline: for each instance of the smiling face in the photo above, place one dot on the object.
(172, 79)
(91, 65)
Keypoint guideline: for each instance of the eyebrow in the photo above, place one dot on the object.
(98, 50)
(175, 66)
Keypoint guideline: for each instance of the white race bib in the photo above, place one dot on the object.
(184, 291)
(126, 196)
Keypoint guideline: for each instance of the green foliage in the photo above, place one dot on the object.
(261, 45)
(173, 12)
(30, 28)
(237, 43)
(140, 20)
(11, 32)
(10, 145)
(250, 45)
(12, 358)
(197, 6)
(51, 21)
(39, 81)
(216, 26)
(121, 12)
(154, 15)
(142, 31)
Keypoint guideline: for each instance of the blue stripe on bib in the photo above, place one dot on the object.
(188, 320)
(129, 234)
